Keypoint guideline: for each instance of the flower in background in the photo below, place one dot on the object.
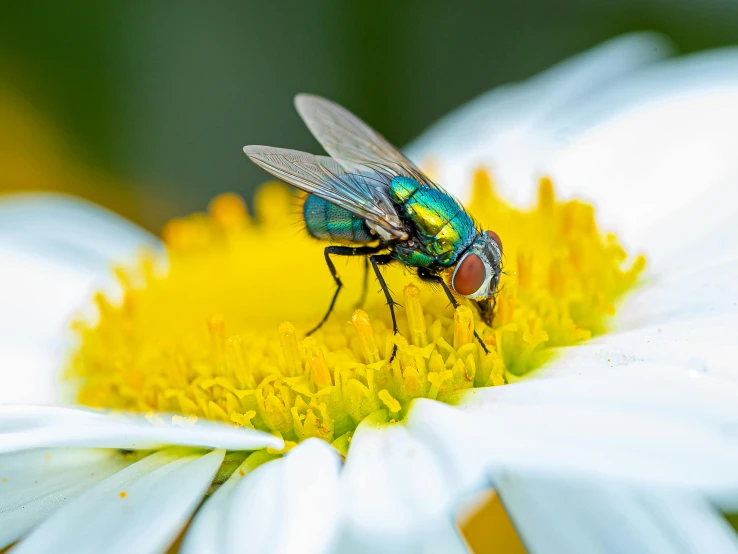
(622, 442)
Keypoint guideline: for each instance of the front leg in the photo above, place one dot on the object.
(376, 261)
(429, 277)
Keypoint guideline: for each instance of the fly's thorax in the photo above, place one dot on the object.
(326, 221)
(412, 254)
(403, 188)
(442, 227)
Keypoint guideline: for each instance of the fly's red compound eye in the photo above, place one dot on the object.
(495, 237)
(469, 275)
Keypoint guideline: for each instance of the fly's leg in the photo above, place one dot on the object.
(429, 277)
(376, 261)
(340, 251)
(365, 285)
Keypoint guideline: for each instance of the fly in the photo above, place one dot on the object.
(369, 200)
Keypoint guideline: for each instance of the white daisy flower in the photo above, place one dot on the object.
(625, 442)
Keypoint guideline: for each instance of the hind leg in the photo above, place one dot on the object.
(340, 251)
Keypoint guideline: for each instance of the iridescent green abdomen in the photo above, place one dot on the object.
(328, 222)
(443, 227)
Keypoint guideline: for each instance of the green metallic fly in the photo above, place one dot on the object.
(374, 202)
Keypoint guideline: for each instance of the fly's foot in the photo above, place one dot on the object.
(394, 353)
(484, 346)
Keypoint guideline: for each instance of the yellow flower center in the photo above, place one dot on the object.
(219, 333)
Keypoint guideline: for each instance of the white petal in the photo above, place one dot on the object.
(70, 230)
(161, 493)
(453, 437)
(691, 294)
(35, 483)
(699, 236)
(686, 320)
(632, 430)
(265, 484)
(444, 538)
(507, 125)
(655, 160)
(55, 251)
(566, 516)
(394, 490)
(23, 427)
(586, 432)
(641, 142)
(38, 297)
(310, 510)
(206, 533)
(703, 346)
(287, 505)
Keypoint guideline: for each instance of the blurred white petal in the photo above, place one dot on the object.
(571, 516)
(37, 482)
(642, 143)
(207, 532)
(698, 235)
(691, 294)
(287, 505)
(56, 251)
(393, 489)
(24, 427)
(453, 437)
(445, 539)
(265, 483)
(38, 298)
(654, 160)
(139, 509)
(310, 510)
(588, 427)
(507, 125)
(71, 230)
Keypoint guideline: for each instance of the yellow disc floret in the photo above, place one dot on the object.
(217, 329)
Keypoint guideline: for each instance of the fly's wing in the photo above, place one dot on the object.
(346, 137)
(354, 187)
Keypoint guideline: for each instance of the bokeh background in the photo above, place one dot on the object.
(144, 106)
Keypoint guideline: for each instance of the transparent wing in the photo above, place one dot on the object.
(346, 137)
(354, 187)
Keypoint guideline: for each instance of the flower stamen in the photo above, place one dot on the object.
(364, 330)
(215, 336)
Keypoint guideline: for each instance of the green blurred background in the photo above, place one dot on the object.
(149, 103)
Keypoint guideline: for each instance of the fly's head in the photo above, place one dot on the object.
(477, 273)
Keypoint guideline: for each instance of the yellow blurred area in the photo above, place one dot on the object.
(34, 157)
(487, 529)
